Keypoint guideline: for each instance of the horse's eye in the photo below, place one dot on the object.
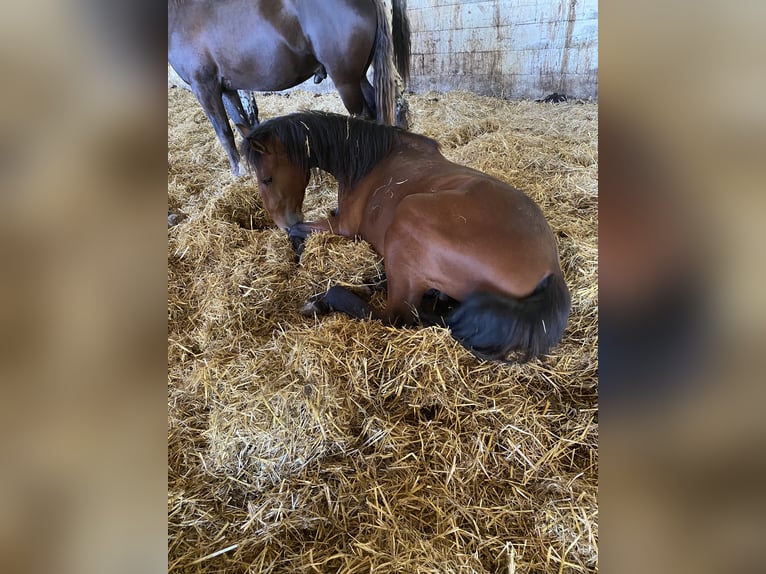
(266, 181)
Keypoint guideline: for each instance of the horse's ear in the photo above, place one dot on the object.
(255, 145)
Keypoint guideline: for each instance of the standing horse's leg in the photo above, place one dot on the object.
(402, 112)
(353, 98)
(251, 107)
(401, 108)
(368, 92)
(210, 97)
(233, 104)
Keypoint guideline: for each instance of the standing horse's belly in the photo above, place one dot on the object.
(265, 68)
(270, 76)
(260, 48)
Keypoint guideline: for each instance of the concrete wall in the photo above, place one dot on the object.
(510, 48)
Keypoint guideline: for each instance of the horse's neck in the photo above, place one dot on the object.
(422, 144)
(340, 163)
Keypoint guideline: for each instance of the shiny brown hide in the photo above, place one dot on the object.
(221, 46)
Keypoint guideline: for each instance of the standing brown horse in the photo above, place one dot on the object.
(483, 247)
(221, 46)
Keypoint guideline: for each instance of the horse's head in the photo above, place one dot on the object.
(282, 184)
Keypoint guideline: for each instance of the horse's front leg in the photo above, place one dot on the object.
(349, 301)
(298, 232)
(345, 300)
(399, 313)
(340, 299)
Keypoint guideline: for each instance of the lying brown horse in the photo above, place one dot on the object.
(221, 46)
(447, 233)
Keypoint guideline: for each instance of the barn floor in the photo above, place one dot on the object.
(332, 445)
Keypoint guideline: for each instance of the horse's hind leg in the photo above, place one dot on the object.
(252, 109)
(368, 92)
(211, 100)
(233, 104)
(402, 108)
(353, 99)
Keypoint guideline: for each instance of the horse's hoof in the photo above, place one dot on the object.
(298, 231)
(175, 218)
(308, 310)
(298, 244)
(238, 170)
(297, 237)
(314, 308)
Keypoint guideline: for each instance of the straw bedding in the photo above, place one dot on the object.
(332, 445)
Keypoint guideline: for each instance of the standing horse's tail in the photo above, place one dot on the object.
(400, 26)
(390, 46)
(491, 326)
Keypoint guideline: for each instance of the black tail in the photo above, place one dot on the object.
(391, 49)
(491, 326)
(400, 25)
(383, 80)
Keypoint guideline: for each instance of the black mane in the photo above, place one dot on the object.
(346, 147)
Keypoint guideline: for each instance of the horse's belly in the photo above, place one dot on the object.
(240, 51)
(265, 82)
(267, 70)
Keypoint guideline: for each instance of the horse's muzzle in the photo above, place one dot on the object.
(289, 221)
